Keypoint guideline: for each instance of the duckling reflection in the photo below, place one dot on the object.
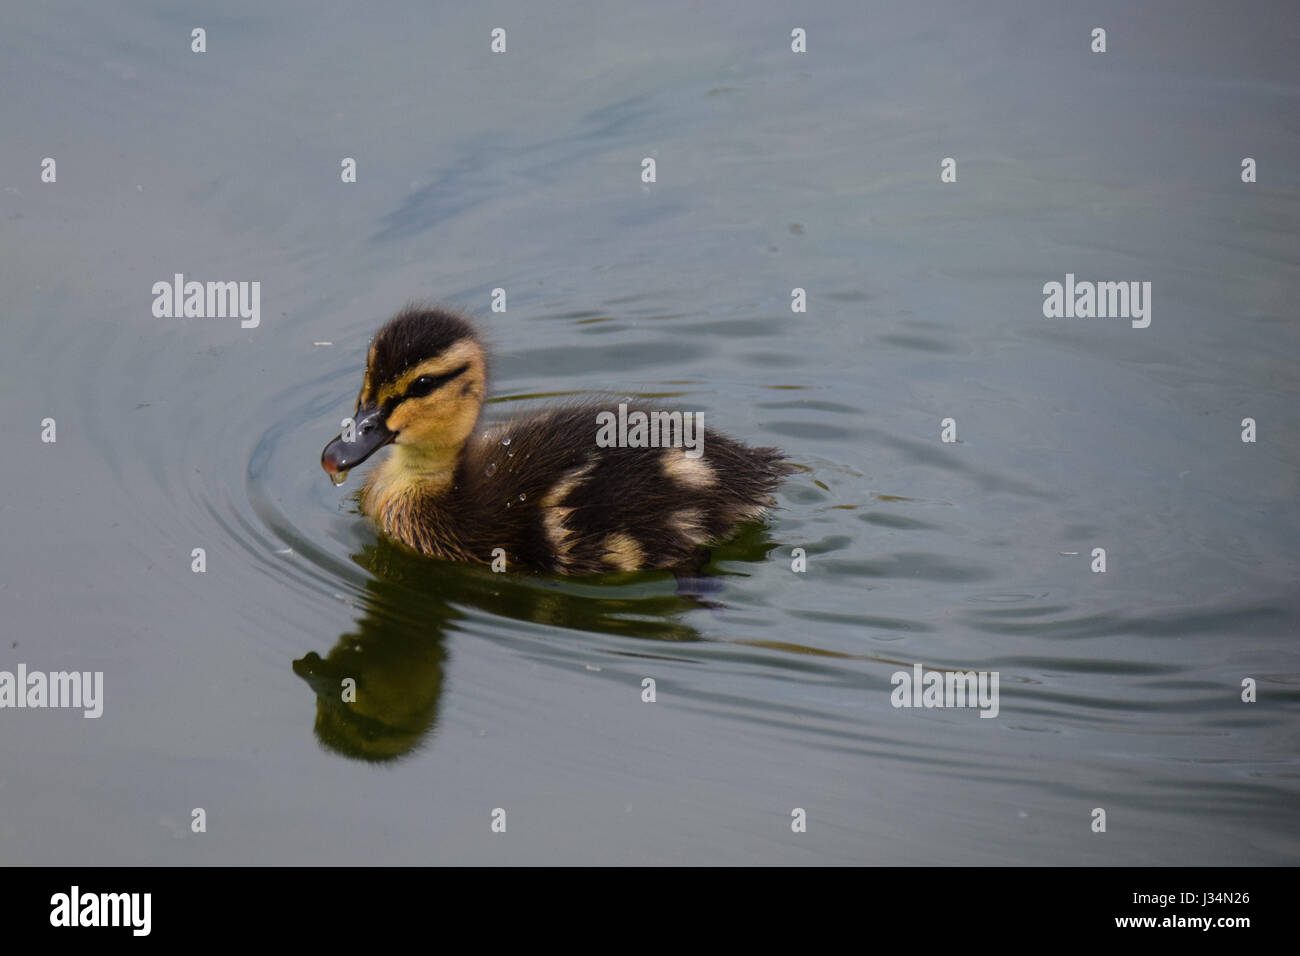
(394, 703)
(396, 655)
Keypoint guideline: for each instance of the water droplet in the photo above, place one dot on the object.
(522, 496)
(506, 440)
(491, 469)
(339, 477)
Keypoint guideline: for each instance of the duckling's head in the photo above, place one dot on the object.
(426, 377)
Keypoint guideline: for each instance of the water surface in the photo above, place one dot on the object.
(775, 170)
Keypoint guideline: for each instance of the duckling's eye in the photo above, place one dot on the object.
(422, 386)
(428, 383)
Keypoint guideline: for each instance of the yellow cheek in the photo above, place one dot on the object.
(402, 417)
(416, 417)
(435, 416)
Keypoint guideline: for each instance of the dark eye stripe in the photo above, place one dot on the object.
(430, 383)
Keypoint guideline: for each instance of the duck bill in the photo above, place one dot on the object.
(371, 435)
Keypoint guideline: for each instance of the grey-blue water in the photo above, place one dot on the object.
(775, 170)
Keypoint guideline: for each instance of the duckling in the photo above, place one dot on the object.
(541, 487)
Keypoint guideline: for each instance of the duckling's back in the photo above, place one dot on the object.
(551, 496)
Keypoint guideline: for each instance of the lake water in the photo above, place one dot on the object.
(1119, 690)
